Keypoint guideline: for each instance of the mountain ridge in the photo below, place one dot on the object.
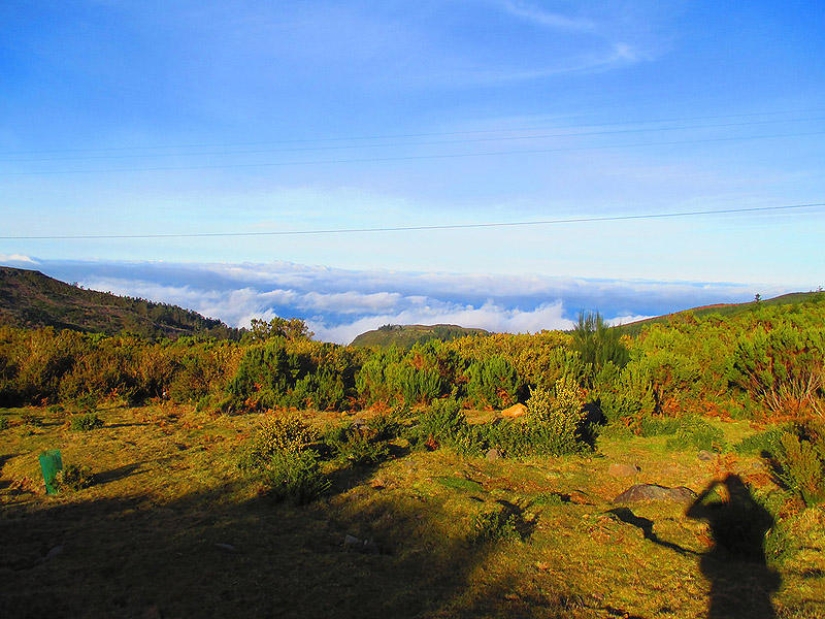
(31, 299)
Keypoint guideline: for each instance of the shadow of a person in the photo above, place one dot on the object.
(741, 581)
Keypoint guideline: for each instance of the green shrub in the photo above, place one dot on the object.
(85, 422)
(659, 426)
(4, 423)
(277, 435)
(696, 433)
(802, 467)
(444, 421)
(492, 382)
(295, 476)
(494, 525)
(554, 419)
(358, 444)
(74, 477)
(766, 443)
(31, 420)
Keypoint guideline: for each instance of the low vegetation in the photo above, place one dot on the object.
(277, 475)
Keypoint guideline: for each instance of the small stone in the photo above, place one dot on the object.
(705, 456)
(226, 547)
(493, 454)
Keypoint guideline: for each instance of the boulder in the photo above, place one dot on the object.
(653, 492)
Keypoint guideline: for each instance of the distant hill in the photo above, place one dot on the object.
(31, 299)
(404, 336)
(726, 309)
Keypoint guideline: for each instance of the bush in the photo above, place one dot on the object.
(696, 433)
(554, 419)
(802, 467)
(295, 476)
(74, 477)
(277, 435)
(4, 423)
(31, 420)
(358, 444)
(85, 422)
(766, 443)
(494, 525)
(444, 421)
(492, 382)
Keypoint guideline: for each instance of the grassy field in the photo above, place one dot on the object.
(171, 527)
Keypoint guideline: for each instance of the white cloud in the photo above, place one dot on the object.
(338, 304)
(533, 14)
(490, 316)
(17, 259)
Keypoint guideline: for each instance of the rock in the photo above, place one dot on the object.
(653, 492)
(226, 547)
(365, 546)
(706, 456)
(493, 454)
(620, 469)
(516, 410)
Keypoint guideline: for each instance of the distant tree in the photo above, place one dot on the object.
(287, 328)
(598, 344)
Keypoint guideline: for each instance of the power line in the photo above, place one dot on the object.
(392, 136)
(389, 159)
(547, 222)
(278, 147)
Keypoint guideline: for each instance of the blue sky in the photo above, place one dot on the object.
(369, 145)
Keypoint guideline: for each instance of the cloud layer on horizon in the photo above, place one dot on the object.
(339, 304)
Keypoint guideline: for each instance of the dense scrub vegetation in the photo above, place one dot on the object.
(768, 363)
(763, 365)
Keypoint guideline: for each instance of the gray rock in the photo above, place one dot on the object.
(226, 547)
(653, 492)
(364, 546)
(706, 456)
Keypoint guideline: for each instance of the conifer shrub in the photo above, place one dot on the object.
(494, 525)
(74, 477)
(444, 421)
(85, 422)
(801, 463)
(288, 468)
(277, 435)
(357, 444)
(766, 443)
(696, 433)
(492, 382)
(295, 476)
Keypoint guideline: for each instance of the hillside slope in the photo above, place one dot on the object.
(31, 299)
(404, 336)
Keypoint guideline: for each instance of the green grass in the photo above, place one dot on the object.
(172, 527)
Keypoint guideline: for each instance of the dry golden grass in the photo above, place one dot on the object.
(172, 528)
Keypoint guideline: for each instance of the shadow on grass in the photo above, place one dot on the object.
(226, 553)
(628, 517)
(741, 581)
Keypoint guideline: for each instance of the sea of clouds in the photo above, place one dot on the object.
(339, 304)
